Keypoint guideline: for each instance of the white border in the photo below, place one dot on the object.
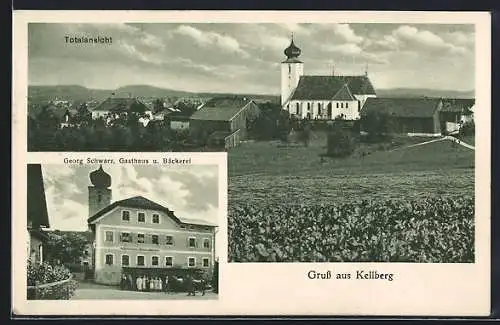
(281, 288)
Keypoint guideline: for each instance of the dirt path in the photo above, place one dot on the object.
(450, 138)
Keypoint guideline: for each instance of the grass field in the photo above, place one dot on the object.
(268, 172)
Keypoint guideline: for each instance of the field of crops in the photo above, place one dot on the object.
(431, 230)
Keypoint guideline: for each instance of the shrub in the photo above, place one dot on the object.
(340, 143)
(44, 273)
(467, 129)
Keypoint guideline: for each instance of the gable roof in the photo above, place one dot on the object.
(121, 104)
(459, 105)
(141, 202)
(326, 87)
(221, 109)
(88, 235)
(344, 94)
(402, 107)
(37, 204)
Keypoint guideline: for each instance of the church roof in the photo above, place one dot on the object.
(344, 94)
(402, 107)
(326, 87)
(141, 202)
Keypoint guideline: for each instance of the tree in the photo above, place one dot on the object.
(65, 247)
(378, 125)
(340, 143)
(305, 133)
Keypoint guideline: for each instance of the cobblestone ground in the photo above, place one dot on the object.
(90, 291)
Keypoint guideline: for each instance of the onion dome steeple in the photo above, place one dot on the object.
(292, 51)
(100, 179)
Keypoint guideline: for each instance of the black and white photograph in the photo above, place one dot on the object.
(350, 167)
(129, 232)
(346, 142)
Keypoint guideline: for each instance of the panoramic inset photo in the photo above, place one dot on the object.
(122, 232)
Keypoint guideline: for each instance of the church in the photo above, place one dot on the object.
(321, 97)
(137, 236)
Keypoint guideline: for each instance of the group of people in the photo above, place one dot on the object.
(161, 284)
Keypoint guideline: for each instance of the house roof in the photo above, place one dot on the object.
(326, 87)
(220, 109)
(121, 104)
(141, 202)
(402, 107)
(458, 105)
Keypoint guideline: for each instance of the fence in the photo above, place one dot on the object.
(60, 290)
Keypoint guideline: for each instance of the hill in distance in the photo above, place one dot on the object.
(423, 92)
(79, 93)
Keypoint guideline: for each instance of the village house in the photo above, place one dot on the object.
(121, 105)
(409, 116)
(137, 235)
(321, 97)
(224, 120)
(38, 217)
(455, 112)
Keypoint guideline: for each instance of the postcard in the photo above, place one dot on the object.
(251, 163)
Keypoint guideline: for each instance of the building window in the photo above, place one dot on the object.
(154, 239)
(192, 242)
(319, 108)
(156, 218)
(191, 262)
(125, 237)
(99, 198)
(346, 105)
(183, 227)
(169, 240)
(289, 68)
(206, 262)
(125, 216)
(140, 238)
(109, 259)
(206, 243)
(140, 260)
(141, 217)
(297, 106)
(341, 105)
(308, 106)
(154, 260)
(109, 236)
(169, 261)
(125, 260)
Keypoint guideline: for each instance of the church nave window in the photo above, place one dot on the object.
(346, 105)
(337, 105)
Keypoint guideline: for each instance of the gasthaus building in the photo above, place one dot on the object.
(139, 236)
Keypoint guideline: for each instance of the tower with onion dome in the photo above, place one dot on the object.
(99, 191)
(291, 71)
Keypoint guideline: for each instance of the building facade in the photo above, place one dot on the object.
(38, 217)
(321, 97)
(139, 234)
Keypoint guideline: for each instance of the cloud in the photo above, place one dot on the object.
(205, 39)
(408, 36)
(344, 49)
(460, 38)
(345, 32)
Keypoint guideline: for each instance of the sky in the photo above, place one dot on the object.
(190, 191)
(245, 57)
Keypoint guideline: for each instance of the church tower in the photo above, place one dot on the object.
(99, 192)
(291, 71)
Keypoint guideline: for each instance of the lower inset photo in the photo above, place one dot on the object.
(122, 232)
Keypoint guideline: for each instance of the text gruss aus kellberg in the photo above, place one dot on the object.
(358, 275)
